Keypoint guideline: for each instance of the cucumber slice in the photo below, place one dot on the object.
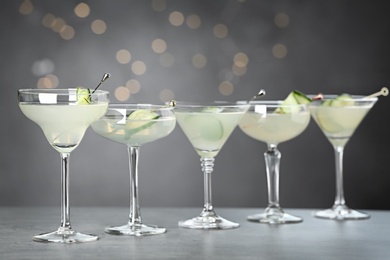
(83, 96)
(139, 120)
(213, 131)
(343, 100)
(327, 119)
(207, 126)
(143, 114)
(327, 102)
(294, 98)
(213, 128)
(301, 98)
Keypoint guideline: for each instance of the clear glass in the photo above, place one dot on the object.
(64, 122)
(273, 123)
(120, 124)
(338, 123)
(208, 126)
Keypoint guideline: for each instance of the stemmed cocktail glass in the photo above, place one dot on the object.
(208, 126)
(134, 125)
(338, 119)
(273, 123)
(63, 115)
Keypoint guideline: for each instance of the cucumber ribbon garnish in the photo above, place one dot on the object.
(84, 96)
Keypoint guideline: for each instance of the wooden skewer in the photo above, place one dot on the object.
(383, 92)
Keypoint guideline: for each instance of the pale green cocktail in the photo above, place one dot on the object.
(208, 130)
(274, 128)
(134, 125)
(338, 117)
(63, 115)
(208, 126)
(133, 132)
(339, 123)
(63, 125)
(274, 122)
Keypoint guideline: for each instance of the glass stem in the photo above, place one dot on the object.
(65, 210)
(272, 160)
(207, 168)
(339, 201)
(135, 212)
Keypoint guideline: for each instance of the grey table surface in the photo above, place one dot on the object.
(311, 239)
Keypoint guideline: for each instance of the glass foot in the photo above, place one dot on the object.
(208, 220)
(341, 212)
(65, 236)
(274, 217)
(135, 230)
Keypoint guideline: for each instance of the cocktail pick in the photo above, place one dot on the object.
(383, 92)
(104, 78)
(259, 94)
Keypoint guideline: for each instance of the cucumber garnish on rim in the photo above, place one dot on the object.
(342, 100)
(294, 98)
(83, 95)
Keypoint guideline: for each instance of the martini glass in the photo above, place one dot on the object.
(64, 121)
(338, 123)
(134, 125)
(273, 123)
(208, 126)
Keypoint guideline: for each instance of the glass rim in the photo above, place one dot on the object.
(354, 97)
(217, 103)
(273, 103)
(57, 91)
(132, 106)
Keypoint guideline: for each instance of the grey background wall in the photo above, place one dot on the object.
(314, 46)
